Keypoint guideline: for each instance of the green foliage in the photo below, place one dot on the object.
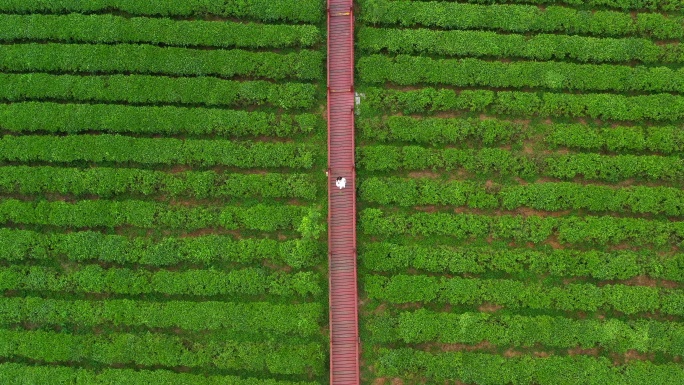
(423, 326)
(479, 368)
(409, 70)
(537, 47)
(484, 161)
(104, 213)
(81, 246)
(169, 120)
(68, 374)
(106, 28)
(601, 265)
(254, 317)
(287, 10)
(657, 107)
(489, 161)
(312, 225)
(157, 89)
(437, 131)
(160, 151)
(212, 282)
(519, 18)
(617, 138)
(603, 230)
(108, 182)
(547, 196)
(153, 249)
(651, 5)
(150, 59)
(157, 349)
(514, 294)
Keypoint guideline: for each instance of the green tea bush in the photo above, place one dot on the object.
(573, 229)
(437, 131)
(489, 161)
(159, 151)
(423, 326)
(657, 107)
(548, 196)
(409, 70)
(144, 214)
(286, 10)
(169, 351)
(480, 368)
(108, 182)
(212, 282)
(514, 294)
(444, 259)
(535, 47)
(105, 28)
(69, 374)
(82, 246)
(253, 317)
(169, 120)
(138, 89)
(519, 18)
(153, 60)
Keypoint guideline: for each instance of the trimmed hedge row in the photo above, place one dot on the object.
(524, 295)
(436, 131)
(520, 18)
(658, 107)
(604, 230)
(488, 161)
(252, 317)
(19, 245)
(95, 279)
(423, 326)
(160, 151)
(600, 265)
(79, 28)
(548, 196)
(536, 47)
(151, 215)
(149, 59)
(288, 10)
(167, 120)
(409, 70)
(652, 5)
(77, 376)
(149, 349)
(479, 368)
(156, 89)
(482, 161)
(107, 182)
(663, 139)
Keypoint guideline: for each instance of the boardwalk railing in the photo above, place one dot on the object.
(344, 335)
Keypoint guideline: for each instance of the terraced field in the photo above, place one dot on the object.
(163, 193)
(520, 184)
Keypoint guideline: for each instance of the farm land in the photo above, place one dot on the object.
(163, 192)
(520, 191)
(163, 196)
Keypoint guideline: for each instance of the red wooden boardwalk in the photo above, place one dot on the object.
(344, 334)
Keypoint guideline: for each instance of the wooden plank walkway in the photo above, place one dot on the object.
(344, 334)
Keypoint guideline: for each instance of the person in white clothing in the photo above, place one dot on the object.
(340, 182)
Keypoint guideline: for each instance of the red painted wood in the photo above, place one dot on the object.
(344, 333)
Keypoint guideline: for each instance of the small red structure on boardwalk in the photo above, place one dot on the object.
(344, 334)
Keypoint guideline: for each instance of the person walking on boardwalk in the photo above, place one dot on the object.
(341, 182)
